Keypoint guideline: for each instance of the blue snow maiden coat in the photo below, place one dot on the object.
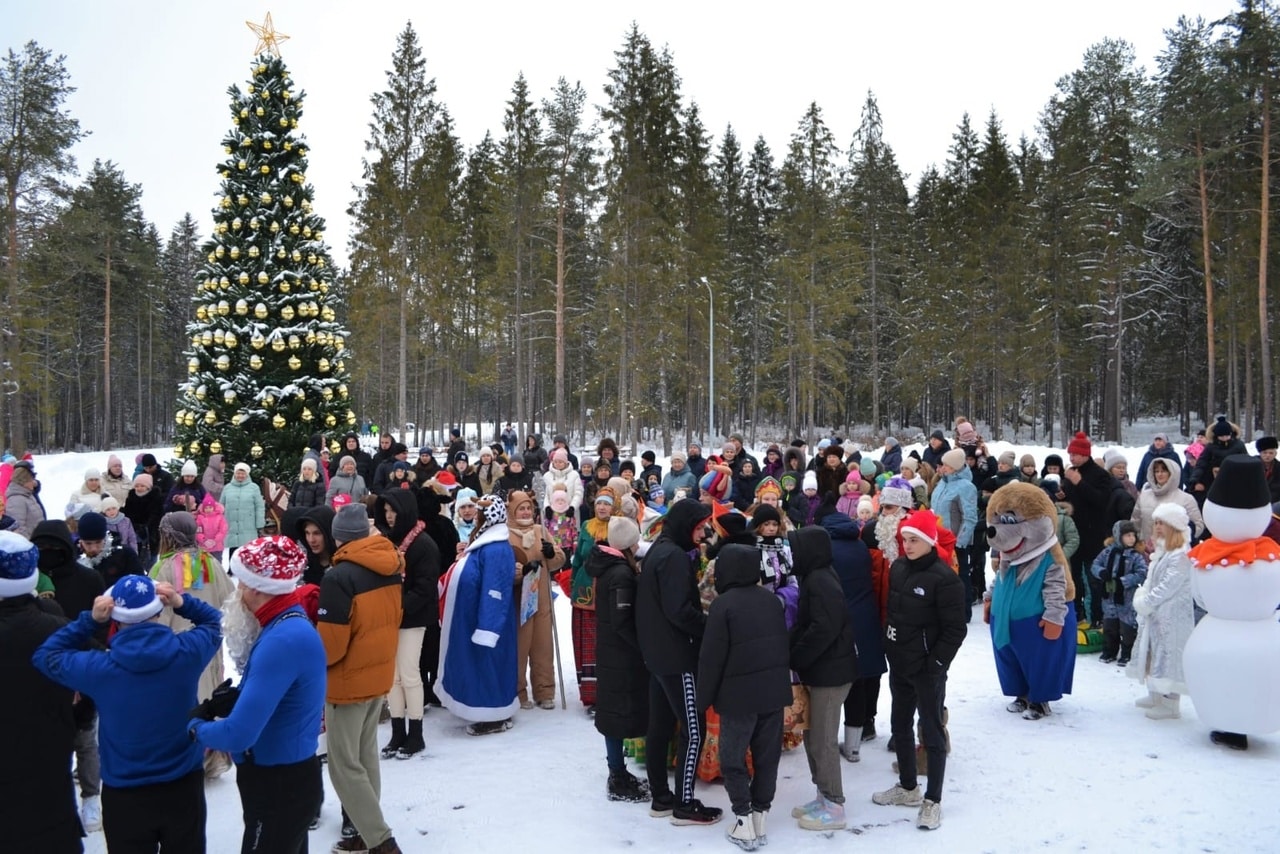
(281, 696)
(477, 680)
(852, 562)
(144, 687)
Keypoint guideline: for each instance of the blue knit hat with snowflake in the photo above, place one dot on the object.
(136, 599)
(18, 560)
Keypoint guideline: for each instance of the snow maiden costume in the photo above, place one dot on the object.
(477, 679)
(1030, 601)
(1165, 619)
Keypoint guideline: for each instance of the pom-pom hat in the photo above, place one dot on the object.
(270, 565)
(135, 599)
(1080, 445)
(19, 558)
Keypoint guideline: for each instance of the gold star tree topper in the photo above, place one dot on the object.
(268, 38)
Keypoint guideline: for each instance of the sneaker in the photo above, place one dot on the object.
(1107, 658)
(662, 805)
(852, 744)
(804, 809)
(91, 814)
(758, 819)
(348, 829)
(898, 796)
(869, 731)
(930, 816)
(1018, 706)
(591, 711)
(489, 727)
(693, 812)
(1122, 660)
(742, 833)
(830, 816)
(351, 845)
(625, 786)
(546, 705)
(1036, 711)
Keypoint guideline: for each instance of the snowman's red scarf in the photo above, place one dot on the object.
(1213, 552)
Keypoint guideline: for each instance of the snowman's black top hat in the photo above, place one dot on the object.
(1240, 484)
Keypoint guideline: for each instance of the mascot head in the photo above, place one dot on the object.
(1022, 525)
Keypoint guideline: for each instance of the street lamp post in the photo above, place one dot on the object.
(711, 361)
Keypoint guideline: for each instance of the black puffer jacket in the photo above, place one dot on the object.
(322, 518)
(743, 667)
(622, 681)
(440, 528)
(1211, 460)
(822, 646)
(74, 586)
(305, 494)
(37, 796)
(669, 618)
(421, 557)
(926, 622)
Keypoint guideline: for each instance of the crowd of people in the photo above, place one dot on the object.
(722, 611)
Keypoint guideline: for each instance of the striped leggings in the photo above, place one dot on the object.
(672, 700)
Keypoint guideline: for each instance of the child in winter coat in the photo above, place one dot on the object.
(850, 493)
(211, 526)
(744, 672)
(801, 507)
(118, 524)
(561, 521)
(1121, 567)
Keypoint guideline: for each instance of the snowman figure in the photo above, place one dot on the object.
(1232, 660)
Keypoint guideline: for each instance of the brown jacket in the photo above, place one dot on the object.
(359, 619)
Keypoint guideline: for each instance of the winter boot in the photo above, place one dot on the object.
(413, 743)
(869, 731)
(350, 845)
(490, 727)
(758, 819)
(91, 814)
(852, 743)
(397, 738)
(830, 816)
(898, 796)
(1148, 701)
(625, 786)
(804, 809)
(387, 847)
(1018, 706)
(1234, 740)
(1167, 707)
(1036, 711)
(742, 833)
(930, 816)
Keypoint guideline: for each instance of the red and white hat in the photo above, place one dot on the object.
(270, 565)
(922, 523)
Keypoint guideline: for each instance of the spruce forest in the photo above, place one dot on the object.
(1113, 263)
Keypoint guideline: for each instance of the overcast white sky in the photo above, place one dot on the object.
(152, 76)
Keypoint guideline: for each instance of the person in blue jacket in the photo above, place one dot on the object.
(955, 501)
(270, 723)
(145, 687)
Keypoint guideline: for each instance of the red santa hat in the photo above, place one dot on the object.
(923, 524)
(270, 565)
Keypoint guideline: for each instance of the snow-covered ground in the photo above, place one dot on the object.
(1096, 776)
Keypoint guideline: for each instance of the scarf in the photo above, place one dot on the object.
(190, 578)
(277, 606)
(1213, 552)
(775, 561)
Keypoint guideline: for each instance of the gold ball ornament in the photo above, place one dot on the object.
(339, 341)
(314, 285)
(243, 279)
(224, 202)
(326, 393)
(206, 338)
(226, 149)
(195, 340)
(215, 447)
(255, 223)
(327, 314)
(224, 308)
(224, 282)
(281, 253)
(286, 313)
(194, 447)
(297, 177)
(242, 200)
(278, 345)
(288, 146)
(351, 417)
(256, 450)
(210, 417)
(242, 305)
(306, 232)
(264, 169)
(311, 336)
(224, 362)
(300, 394)
(239, 418)
(323, 365)
(306, 206)
(178, 416)
(277, 421)
(263, 278)
(222, 228)
(219, 252)
(266, 145)
(306, 414)
(284, 123)
(188, 420)
(284, 286)
(262, 68)
(255, 362)
(293, 229)
(178, 451)
(219, 336)
(330, 421)
(259, 112)
(268, 401)
(242, 166)
(254, 252)
(250, 89)
(260, 310)
(257, 341)
(293, 123)
(340, 366)
(297, 256)
(229, 395)
(201, 314)
(236, 223)
(342, 391)
(265, 94)
(244, 113)
(288, 201)
(193, 365)
(235, 253)
(265, 198)
(275, 227)
(230, 341)
(294, 342)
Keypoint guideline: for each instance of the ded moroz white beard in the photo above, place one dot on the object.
(240, 629)
(887, 534)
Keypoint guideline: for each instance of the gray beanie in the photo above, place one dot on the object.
(350, 523)
(179, 528)
(624, 533)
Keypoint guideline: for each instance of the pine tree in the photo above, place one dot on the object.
(267, 357)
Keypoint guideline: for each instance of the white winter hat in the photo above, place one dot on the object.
(189, 469)
(810, 481)
(1112, 458)
(241, 467)
(92, 473)
(1172, 514)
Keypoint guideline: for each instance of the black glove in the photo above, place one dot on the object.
(569, 512)
(1105, 575)
(548, 550)
(532, 566)
(219, 705)
(547, 512)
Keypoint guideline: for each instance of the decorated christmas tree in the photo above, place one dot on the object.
(266, 359)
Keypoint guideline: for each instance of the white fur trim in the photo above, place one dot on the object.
(12, 588)
(1172, 514)
(467, 713)
(137, 615)
(484, 638)
(269, 586)
(497, 534)
(907, 529)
